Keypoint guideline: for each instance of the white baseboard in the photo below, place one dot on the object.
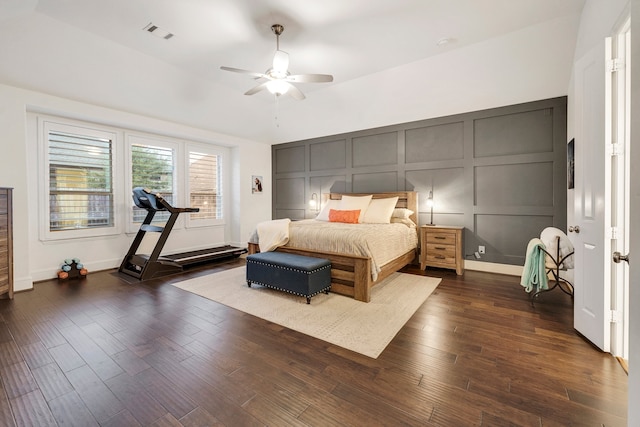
(22, 284)
(52, 273)
(490, 267)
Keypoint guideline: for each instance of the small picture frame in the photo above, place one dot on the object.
(570, 164)
(256, 184)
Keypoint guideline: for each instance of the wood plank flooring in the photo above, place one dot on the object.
(109, 351)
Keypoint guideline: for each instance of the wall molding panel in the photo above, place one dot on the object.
(500, 173)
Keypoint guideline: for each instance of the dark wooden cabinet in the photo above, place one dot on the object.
(6, 242)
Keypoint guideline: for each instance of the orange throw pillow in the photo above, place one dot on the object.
(350, 217)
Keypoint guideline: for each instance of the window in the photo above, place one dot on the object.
(205, 189)
(79, 184)
(152, 166)
(86, 167)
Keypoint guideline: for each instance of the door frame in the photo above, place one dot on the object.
(618, 135)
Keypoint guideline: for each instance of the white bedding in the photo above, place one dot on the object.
(273, 234)
(380, 242)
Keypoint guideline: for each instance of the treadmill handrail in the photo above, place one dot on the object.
(166, 205)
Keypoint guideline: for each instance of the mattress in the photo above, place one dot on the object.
(380, 242)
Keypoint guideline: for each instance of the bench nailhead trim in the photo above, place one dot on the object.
(269, 264)
(292, 292)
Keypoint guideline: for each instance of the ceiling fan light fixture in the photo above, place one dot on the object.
(281, 62)
(278, 87)
(278, 78)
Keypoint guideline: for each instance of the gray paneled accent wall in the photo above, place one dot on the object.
(501, 173)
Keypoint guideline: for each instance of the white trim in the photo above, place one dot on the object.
(490, 267)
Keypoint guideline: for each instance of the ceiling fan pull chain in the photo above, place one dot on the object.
(277, 108)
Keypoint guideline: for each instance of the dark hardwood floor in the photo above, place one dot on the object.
(112, 352)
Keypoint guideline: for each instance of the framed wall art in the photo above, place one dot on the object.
(570, 164)
(256, 184)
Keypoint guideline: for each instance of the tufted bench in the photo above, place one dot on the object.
(296, 274)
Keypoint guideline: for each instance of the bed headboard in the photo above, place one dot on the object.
(406, 199)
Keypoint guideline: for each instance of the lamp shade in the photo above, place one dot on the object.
(430, 205)
(314, 202)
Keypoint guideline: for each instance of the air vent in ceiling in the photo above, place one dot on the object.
(158, 32)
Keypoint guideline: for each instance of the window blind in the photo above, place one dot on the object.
(80, 181)
(205, 189)
(153, 167)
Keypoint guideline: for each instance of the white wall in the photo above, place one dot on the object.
(47, 55)
(527, 65)
(50, 56)
(36, 260)
(255, 207)
(599, 18)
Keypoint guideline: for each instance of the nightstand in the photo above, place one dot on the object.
(441, 246)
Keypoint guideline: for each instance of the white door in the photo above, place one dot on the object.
(592, 272)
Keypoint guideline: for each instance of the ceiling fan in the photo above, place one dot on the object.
(278, 79)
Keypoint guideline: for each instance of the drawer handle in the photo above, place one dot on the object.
(440, 248)
(440, 237)
(440, 257)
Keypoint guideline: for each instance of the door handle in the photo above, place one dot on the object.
(574, 229)
(617, 257)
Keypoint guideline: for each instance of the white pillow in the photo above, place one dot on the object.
(402, 213)
(324, 213)
(380, 210)
(351, 203)
(406, 222)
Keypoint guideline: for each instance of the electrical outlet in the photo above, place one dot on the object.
(481, 249)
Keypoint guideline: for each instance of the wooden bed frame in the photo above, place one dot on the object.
(351, 274)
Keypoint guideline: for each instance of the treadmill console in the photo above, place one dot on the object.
(144, 198)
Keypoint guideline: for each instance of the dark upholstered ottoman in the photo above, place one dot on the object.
(296, 274)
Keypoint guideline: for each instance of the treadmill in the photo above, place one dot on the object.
(149, 266)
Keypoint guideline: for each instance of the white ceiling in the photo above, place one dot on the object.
(350, 39)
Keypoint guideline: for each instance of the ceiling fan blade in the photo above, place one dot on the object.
(281, 61)
(241, 71)
(310, 78)
(295, 93)
(256, 89)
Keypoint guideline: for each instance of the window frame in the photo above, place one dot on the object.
(121, 176)
(222, 161)
(46, 125)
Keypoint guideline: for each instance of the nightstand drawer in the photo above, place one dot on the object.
(440, 250)
(441, 238)
(446, 257)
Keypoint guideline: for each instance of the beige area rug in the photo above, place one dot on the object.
(366, 328)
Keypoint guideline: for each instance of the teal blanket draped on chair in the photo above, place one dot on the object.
(534, 272)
